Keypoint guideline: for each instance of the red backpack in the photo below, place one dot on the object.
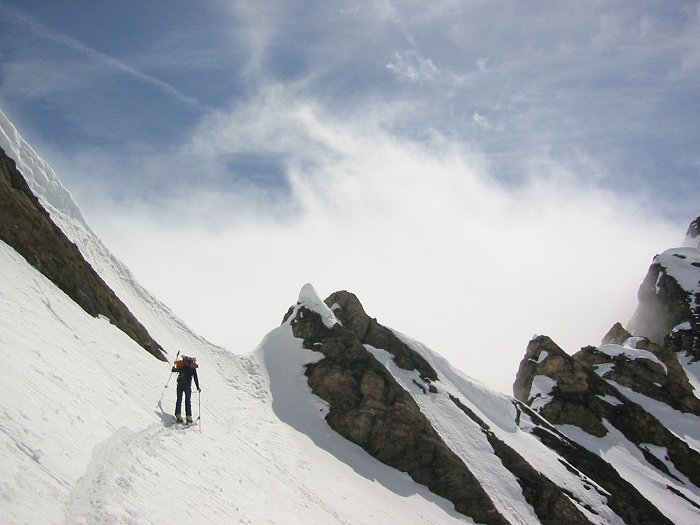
(186, 361)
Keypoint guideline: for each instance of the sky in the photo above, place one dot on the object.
(476, 172)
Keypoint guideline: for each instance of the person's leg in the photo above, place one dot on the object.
(188, 405)
(178, 404)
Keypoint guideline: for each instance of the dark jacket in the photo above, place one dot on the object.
(185, 375)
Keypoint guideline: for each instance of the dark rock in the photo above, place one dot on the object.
(350, 312)
(578, 399)
(663, 305)
(27, 227)
(667, 382)
(623, 498)
(369, 408)
(694, 229)
(574, 399)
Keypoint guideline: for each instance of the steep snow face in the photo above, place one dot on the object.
(156, 317)
(38, 174)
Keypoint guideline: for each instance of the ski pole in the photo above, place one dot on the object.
(166, 384)
(199, 401)
(171, 370)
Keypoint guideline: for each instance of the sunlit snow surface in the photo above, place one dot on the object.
(83, 438)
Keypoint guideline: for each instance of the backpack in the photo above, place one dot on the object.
(186, 362)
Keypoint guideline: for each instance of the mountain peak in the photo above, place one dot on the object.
(692, 236)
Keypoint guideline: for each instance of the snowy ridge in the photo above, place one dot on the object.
(58, 202)
(630, 351)
(629, 461)
(38, 174)
(466, 437)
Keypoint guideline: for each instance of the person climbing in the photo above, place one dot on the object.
(186, 369)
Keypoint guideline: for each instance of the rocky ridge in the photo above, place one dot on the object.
(638, 388)
(27, 227)
(370, 405)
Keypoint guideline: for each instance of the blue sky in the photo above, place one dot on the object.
(391, 148)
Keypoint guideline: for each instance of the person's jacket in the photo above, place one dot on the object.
(185, 375)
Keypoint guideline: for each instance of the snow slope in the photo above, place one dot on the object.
(84, 439)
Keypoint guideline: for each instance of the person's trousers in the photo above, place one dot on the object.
(187, 390)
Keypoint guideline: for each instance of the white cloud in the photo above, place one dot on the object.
(413, 67)
(421, 233)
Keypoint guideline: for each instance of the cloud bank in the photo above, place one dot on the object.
(475, 172)
(432, 245)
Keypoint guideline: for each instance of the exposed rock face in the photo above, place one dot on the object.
(27, 227)
(573, 399)
(692, 236)
(368, 406)
(663, 304)
(628, 383)
(580, 398)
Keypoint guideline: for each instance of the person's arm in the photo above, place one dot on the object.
(174, 369)
(196, 381)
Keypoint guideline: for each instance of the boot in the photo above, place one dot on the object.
(189, 419)
(178, 418)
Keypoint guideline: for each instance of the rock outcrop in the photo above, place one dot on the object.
(636, 388)
(369, 408)
(28, 228)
